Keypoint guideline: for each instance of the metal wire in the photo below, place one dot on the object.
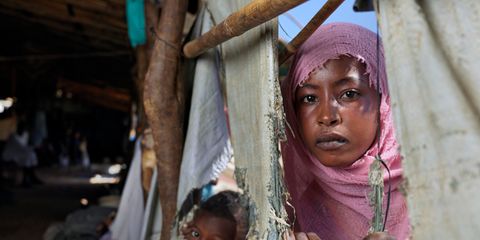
(379, 127)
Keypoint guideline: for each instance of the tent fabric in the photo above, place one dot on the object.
(207, 146)
(432, 50)
(129, 220)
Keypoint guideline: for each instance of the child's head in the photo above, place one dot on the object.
(337, 112)
(331, 97)
(221, 217)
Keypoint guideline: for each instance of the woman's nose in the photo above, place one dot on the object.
(328, 114)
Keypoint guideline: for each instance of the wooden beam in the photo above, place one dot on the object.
(327, 9)
(99, 7)
(164, 106)
(58, 12)
(88, 34)
(48, 57)
(107, 97)
(250, 16)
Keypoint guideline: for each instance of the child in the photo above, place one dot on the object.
(336, 129)
(222, 217)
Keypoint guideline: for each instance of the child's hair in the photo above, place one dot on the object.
(229, 205)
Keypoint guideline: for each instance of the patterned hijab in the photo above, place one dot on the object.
(333, 202)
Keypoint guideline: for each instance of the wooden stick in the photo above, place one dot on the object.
(328, 8)
(164, 106)
(250, 16)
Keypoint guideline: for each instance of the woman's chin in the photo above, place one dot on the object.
(336, 163)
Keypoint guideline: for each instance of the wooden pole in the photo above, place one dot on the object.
(143, 54)
(164, 107)
(328, 8)
(250, 16)
(143, 57)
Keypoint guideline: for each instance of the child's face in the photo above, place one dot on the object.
(206, 226)
(337, 112)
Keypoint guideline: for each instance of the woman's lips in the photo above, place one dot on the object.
(330, 142)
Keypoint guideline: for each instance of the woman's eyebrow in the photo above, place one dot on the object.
(347, 80)
(309, 85)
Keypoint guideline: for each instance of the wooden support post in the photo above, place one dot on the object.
(143, 56)
(164, 106)
(328, 8)
(143, 53)
(250, 16)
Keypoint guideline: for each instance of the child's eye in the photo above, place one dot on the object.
(195, 234)
(350, 94)
(309, 99)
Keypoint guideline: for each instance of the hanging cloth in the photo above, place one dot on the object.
(129, 220)
(207, 146)
(135, 12)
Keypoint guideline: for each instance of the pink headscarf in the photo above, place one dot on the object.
(333, 202)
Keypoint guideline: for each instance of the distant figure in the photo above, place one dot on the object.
(75, 152)
(63, 157)
(82, 146)
(17, 150)
(39, 130)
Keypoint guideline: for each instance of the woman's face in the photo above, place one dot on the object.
(337, 112)
(207, 226)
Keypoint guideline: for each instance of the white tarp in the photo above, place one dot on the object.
(432, 50)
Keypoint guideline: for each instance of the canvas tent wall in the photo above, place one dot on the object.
(432, 50)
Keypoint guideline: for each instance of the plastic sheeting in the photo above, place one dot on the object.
(432, 50)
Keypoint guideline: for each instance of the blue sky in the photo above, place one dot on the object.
(305, 12)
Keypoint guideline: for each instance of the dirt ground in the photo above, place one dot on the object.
(26, 212)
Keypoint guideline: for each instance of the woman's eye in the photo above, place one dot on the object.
(309, 99)
(350, 94)
(195, 234)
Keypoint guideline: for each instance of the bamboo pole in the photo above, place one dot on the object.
(250, 16)
(164, 107)
(328, 8)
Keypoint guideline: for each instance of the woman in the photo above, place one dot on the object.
(332, 105)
